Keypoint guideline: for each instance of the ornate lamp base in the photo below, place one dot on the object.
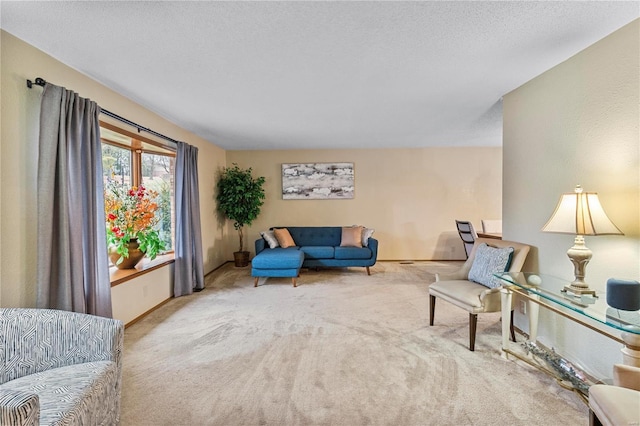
(578, 291)
(579, 255)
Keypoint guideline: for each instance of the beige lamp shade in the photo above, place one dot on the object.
(580, 213)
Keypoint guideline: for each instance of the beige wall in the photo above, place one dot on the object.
(578, 124)
(132, 299)
(18, 162)
(411, 197)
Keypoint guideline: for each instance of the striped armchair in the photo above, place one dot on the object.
(59, 367)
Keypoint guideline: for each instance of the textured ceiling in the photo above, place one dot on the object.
(283, 75)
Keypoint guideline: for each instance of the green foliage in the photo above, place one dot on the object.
(150, 244)
(240, 197)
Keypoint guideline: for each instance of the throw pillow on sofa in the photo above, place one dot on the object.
(284, 238)
(488, 261)
(270, 238)
(351, 236)
(366, 234)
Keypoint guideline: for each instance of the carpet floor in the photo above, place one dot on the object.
(342, 348)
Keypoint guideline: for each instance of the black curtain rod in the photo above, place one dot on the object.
(41, 82)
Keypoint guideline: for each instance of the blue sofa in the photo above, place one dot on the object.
(316, 246)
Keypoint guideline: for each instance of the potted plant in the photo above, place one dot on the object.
(131, 224)
(239, 199)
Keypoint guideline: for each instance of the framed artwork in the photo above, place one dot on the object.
(317, 181)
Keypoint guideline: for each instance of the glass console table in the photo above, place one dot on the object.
(592, 312)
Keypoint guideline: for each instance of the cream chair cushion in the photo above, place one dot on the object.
(614, 405)
(618, 404)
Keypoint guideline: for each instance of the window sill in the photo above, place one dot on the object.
(119, 276)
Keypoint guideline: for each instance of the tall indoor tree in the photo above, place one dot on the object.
(240, 197)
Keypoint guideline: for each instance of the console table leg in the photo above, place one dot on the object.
(631, 349)
(505, 304)
(534, 309)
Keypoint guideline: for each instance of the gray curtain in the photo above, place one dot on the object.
(73, 273)
(189, 274)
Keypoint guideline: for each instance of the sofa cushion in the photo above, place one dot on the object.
(75, 394)
(352, 253)
(278, 258)
(351, 236)
(284, 237)
(318, 252)
(488, 261)
(316, 235)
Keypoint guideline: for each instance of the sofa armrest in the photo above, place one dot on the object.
(41, 339)
(260, 244)
(19, 408)
(372, 244)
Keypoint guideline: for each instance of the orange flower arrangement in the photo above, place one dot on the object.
(130, 215)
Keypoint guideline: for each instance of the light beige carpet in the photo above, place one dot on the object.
(343, 348)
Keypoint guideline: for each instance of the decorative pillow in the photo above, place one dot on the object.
(366, 234)
(284, 238)
(351, 236)
(270, 238)
(488, 261)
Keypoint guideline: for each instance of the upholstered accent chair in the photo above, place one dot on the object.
(618, 404)
(467, 234)
(59, 368)
(471, 296)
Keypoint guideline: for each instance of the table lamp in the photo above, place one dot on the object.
(580, 213)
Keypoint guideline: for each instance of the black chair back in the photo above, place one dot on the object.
(467, 234)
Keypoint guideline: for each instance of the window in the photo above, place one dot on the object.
(133, 160)
(116, 162)
(157, 174)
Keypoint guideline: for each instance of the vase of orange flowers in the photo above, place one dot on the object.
(131, 221)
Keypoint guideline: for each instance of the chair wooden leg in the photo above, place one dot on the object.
(294, 282)
(473, 324)
(432, 308)
(368, 271)
(255, 282)
(513, 332)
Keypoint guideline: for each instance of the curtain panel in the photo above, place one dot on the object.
(73, 272)
(189, 269)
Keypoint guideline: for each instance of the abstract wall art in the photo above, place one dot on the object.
(317, 181)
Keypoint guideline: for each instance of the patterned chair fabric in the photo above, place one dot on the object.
(59, 367)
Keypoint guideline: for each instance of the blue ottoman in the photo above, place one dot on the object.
(277, 262)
